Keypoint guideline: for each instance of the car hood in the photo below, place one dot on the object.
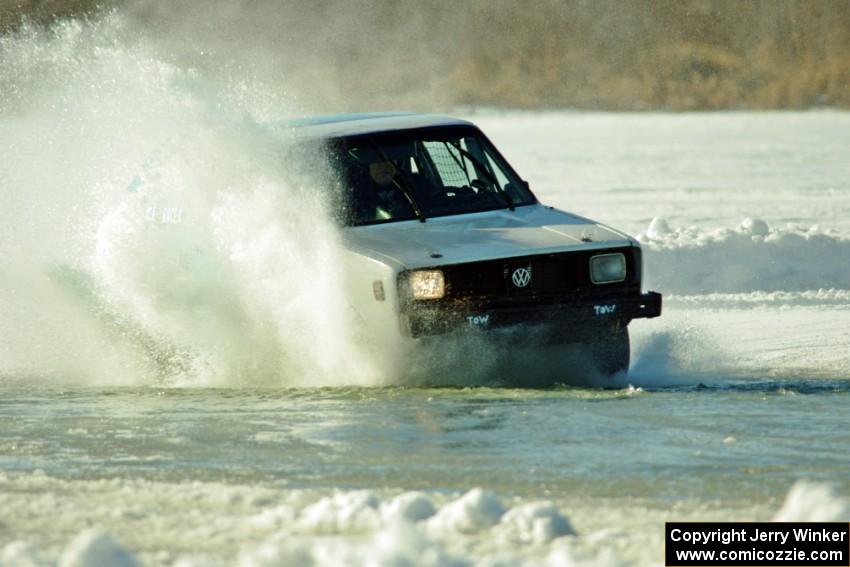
(532, 229)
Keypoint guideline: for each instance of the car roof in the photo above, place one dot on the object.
(342, 125)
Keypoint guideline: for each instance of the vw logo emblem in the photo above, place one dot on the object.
(521, 277)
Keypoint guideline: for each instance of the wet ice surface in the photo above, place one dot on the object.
(735, 407)
(435, 475)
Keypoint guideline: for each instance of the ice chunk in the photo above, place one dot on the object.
(96, 548)
(412, 506)
(756, 227)
(535, 524)
(658, 227)
(471, 513)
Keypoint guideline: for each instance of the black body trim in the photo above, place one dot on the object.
(560, 295)
(568, 316)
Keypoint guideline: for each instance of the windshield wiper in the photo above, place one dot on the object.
(490, 177)
(400, 184)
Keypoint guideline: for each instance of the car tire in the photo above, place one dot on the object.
(610, 350)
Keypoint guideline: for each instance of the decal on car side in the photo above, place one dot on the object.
(604, 309)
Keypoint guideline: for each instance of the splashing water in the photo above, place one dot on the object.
(151, 231)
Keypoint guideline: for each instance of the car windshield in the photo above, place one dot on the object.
(417, 174)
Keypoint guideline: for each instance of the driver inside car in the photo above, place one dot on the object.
(392, 201)
(379, 194)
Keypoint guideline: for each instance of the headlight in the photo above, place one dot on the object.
(607, 268)
(427, 284)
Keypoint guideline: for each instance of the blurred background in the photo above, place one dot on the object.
(586, 54)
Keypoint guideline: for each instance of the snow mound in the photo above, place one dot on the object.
(658, 228)
(750, 257)
(411, 528)
(410, 506)
(342, 512)
(471, 513)
(534, 524)
(96, 548)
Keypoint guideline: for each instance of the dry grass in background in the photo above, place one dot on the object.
(600, 54)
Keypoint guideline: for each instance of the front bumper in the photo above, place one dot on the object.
(591, 312)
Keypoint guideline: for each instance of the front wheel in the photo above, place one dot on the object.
(610, 350)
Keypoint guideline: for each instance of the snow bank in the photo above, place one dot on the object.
(474, 512)
(750, 257)
(809, 298)
(399, 545)
(408, 529)
(255, 526)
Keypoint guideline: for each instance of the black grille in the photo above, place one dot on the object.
(559, 293)
(553, 276)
